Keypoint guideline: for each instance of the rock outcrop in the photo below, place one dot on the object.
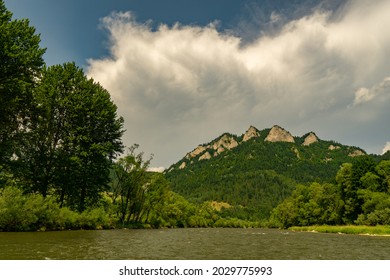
(252, 132)
(206, 155)
(198, 150)
(356, 153)
(310, 139)
(226, 142)
(332, 147)
(278, 134)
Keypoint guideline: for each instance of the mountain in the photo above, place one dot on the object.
(271, 149)
(255, 171)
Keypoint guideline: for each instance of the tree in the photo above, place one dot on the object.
(348, 191)
(370, 181)
(156, 194)
(383, 170)
(72, 138)
(20, 64)
(360, 167)
(375, 207)
(309, 205)
(129, 185)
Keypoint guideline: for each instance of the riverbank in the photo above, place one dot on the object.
(348, 229)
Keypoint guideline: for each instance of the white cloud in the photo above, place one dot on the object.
(180, 86)
(386, 148)
(363, 95)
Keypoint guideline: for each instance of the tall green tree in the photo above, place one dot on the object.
(130, 184)
(383, 171)
(20, 64)
(351, 178)
(309, 205)
(73, 136)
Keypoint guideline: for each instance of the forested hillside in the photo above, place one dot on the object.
(257, 170)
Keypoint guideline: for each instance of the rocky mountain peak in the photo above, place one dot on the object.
(223, 143)
(252, 132)
(226, 142)
(279, 134)
(197, 151)
(310, 139)
(328, 151)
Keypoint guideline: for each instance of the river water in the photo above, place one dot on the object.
(194, 244)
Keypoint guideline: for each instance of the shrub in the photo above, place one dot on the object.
(18, 212)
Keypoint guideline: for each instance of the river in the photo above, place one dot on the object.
(194, 244)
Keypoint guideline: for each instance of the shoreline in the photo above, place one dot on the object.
(379, 230)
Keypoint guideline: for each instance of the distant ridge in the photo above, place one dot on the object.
(255, 171)
(276, 134)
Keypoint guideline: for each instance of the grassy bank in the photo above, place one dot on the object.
(349, 229)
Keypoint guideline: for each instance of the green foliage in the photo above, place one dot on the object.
(357, 179)
(31, 212)
(175, 212)
(309, 205)
(6, 178)
(348, 229)
(383, 171)
(136, 192)
(20, 63)
(386, 156)
(375, 208)
(72, 138)
(360, 196)
(16, 211)
(58, 129)
(254, 194)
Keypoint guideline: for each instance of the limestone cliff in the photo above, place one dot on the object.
(310, 139)
(356, 153)
(206, 155)
(182, 165)
(332, 147)
(252, 132)
(198, 150)
(225, 142)
(278, 134)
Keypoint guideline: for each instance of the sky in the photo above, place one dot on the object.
(182, 72)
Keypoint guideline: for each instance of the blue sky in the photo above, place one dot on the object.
(182, 72)
(71, 29)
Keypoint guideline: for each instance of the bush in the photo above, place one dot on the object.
(96, 218)
(19, 212)
(377, 217)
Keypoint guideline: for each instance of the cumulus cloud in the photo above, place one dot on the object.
(386, 148)
(363, 94)
(178, 86)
